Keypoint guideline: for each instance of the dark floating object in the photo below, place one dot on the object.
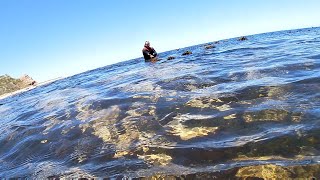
(186, 53)
(209, 46)
(170, 58)
(243, 38)
(1, 104)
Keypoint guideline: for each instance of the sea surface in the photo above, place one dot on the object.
(241, 109)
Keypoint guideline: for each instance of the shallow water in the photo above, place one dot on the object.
(237, 110)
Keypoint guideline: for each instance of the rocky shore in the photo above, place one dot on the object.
(10, 86)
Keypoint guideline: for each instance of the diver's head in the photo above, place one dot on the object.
(147, 44)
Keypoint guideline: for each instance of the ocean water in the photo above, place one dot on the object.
(242, 109)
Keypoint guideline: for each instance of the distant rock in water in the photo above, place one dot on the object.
(209, 46)
(243, 38)
(186, 53)
(9, 84)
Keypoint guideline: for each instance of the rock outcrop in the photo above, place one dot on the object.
(243, 38)
(9, 84)
(27, 80)
(209, 46)
(186, 53)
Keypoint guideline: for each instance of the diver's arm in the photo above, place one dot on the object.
(154, 52)
(147, 54)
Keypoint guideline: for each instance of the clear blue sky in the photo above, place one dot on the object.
(57, 38)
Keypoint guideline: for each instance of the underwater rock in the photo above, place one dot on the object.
(186, 53)
(170, 58)
(270, 171)
(243, 38)
(155, 59)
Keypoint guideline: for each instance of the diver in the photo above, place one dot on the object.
(148, 52)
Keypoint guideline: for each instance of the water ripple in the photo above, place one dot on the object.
(241, 107)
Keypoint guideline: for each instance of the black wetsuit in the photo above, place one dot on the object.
(147, 51)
